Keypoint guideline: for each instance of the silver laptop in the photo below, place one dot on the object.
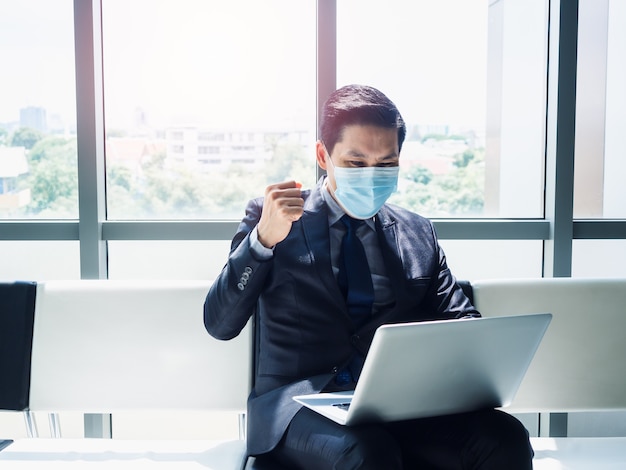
(418, 370)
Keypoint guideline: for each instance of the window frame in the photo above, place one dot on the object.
(557, 229)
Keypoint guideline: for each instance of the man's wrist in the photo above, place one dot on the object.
(260, 251)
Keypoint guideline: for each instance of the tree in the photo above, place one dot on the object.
(118, 175)
(26, 137)
(419, 174)
(462, 160)
(457, 193)
(4, 136)
(53, 178)
(290, 161)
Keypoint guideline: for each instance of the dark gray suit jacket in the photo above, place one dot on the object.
(304, 334)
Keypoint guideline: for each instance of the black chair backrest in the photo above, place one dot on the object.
(17, 315)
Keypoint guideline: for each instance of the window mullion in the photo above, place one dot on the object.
(560, 136)
(90, 137)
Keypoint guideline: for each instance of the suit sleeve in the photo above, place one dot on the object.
(233, 297)
(450, 300)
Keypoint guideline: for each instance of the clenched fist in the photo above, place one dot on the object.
(283, 205)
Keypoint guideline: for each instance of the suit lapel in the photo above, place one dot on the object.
(386, 228)
(316, 234)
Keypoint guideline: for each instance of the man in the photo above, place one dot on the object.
(287, 266)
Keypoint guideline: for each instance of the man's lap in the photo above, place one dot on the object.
(484, 439)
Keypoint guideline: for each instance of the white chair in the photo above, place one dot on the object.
(581, 362)
(109, 346)
(579, 366)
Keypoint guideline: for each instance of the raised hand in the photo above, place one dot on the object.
(283, 205)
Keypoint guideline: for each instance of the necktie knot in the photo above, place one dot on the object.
(351, 224)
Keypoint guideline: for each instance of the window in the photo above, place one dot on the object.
(175, 260)
(494, 259)
(214, 80)
(38, 160)
(39, 260)
(600, 166)
(469, 77)
(599, 258)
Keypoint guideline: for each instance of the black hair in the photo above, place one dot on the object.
(358, 105)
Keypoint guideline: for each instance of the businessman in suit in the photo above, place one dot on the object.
(286, 266)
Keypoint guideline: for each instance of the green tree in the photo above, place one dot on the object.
(26, 137)
(53, 178)
(457, 193)
(419, 174)
(4, 136)
(290, 161)
(118, 175)
(462, 160)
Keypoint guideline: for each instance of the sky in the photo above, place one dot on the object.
(219, 63)
(430, 55)
(36, 46)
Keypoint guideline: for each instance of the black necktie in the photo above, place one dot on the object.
(355, 279)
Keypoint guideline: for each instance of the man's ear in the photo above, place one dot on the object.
(320, 154)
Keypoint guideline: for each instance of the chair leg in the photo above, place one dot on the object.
(55, 428)
(242, 426)
(31, 424)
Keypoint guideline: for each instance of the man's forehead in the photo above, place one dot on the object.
(358, 141)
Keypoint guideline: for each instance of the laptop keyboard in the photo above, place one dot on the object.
(343, 406)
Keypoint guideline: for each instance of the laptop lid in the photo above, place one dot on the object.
(417, 370)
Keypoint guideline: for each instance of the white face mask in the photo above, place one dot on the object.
(361, 192)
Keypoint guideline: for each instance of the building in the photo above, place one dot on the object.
(218, 149)
(13, 164)
(34, 117)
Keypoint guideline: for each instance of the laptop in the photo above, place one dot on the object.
(424, 369)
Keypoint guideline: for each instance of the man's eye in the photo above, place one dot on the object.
(356, 163)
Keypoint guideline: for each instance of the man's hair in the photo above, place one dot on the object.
(358, 105)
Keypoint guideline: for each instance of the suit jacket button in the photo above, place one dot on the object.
(355, 339)
(335, 370)
(240, 286)
(248, 269)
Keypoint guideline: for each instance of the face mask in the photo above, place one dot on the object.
(361, 192)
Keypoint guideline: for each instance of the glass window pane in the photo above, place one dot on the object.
(173, 259)
(38, 162)
(469, 77)
(206, 103)
(599, 258)
(600, 166)
(39, 260)
(494, 259)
